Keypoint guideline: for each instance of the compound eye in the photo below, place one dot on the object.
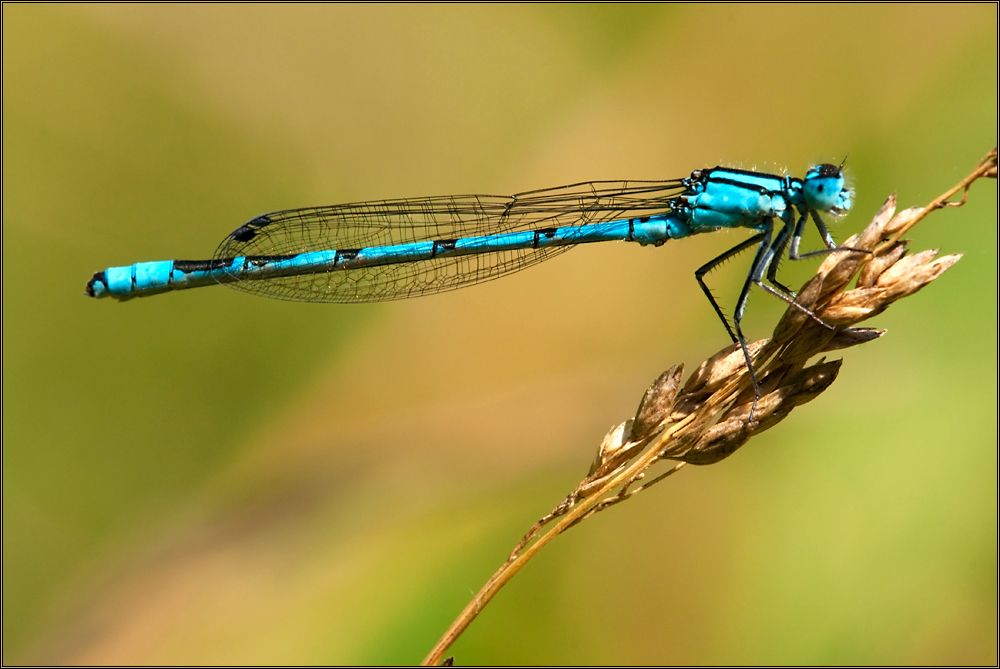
(822, 187)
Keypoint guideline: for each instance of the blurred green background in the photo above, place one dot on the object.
(211, 477)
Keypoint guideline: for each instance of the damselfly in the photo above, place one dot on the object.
(393, 249)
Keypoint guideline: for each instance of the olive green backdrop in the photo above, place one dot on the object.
(211, 477)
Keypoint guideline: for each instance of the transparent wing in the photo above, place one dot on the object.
(390, 222)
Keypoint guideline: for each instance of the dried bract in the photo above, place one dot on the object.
(874, 268)
(657, 403)
(720, 368)
(902, 221)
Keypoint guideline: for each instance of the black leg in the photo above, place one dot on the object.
(763, 262)
(760, 262)
(712, 264)
(766, 260)
(780, 242)
(756, 276)
(831, 246)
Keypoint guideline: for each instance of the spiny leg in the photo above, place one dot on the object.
(780, 242)
(793, 254)
(764, 261)
(831, 246)
(765, 252)
(793, 251)
(712, 264)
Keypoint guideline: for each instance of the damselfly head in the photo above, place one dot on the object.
(824, 189)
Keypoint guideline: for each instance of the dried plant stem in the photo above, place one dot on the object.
(987, 168)
(518, 560)
(709, 418)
